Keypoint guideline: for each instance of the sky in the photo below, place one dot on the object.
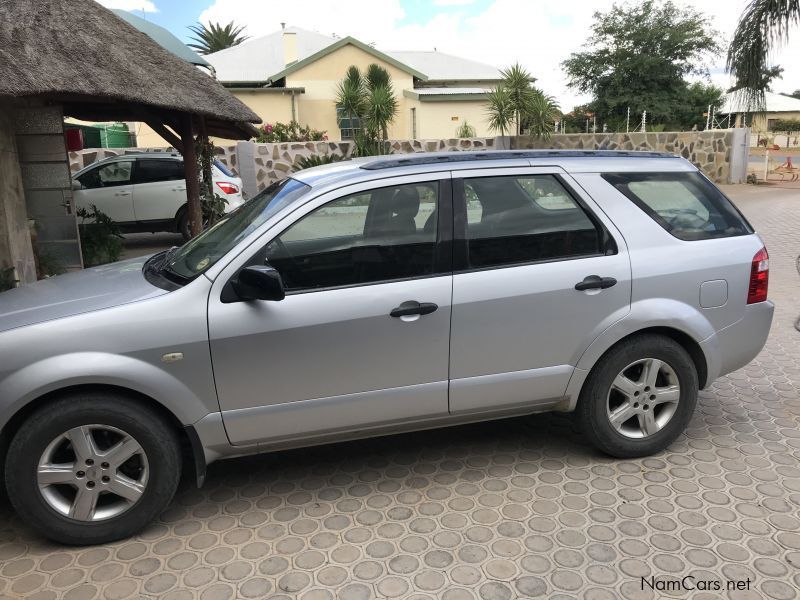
(539, 34)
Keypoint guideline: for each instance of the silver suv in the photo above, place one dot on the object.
(372, 296)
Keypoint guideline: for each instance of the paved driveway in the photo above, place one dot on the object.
(517, 508)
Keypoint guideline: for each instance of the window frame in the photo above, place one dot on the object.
(460, 242)
(443, 245)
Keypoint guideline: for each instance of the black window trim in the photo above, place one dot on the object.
(460, 242)
(443, 250)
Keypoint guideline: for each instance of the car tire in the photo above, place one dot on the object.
(68, 477)
(639, 397)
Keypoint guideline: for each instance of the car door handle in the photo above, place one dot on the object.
(122, 194)
(412, 307)
(179, 189)
(595, 282)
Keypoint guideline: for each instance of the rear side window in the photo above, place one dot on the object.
(687, 205)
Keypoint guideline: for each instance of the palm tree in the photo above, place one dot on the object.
(350, 95)
(370, 97)
(500, 111)
(215, 37)
(763, 26)
(540, 114)
(517, 80)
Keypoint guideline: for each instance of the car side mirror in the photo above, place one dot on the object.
(76, 185)
(259, 282)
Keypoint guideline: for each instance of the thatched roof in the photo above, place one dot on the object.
(100, 67)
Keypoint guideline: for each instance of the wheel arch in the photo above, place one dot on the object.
(684, 339)
(191, 446)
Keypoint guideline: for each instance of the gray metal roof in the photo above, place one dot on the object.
(259, 59)
(774, 103)
(446, 67)
(162, 37)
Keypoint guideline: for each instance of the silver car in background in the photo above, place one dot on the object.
(374, 296)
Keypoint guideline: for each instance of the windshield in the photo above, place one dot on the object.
(200, 253)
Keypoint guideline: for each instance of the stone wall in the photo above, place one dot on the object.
(259, 165)
(710, 151)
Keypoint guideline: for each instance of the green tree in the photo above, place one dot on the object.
(697, 97)
(517, 106)
(370, 98)
(518, 81)
(638, 56)
(540, 115)
(500, 110)
(214, 37)
(794, 94)
(763, 27)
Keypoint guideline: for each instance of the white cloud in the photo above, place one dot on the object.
(131, 5)
(539, 35)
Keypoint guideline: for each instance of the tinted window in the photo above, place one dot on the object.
(109, 175)
(685, 204)
(520, 219)
(381, 235)
(150, 170)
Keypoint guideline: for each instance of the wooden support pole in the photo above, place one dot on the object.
(194, 212)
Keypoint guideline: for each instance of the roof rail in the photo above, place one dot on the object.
(456, 156)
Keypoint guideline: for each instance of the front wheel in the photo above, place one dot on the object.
(92, 468)
(639, 397)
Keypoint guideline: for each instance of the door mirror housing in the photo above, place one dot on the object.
(76, 185)
(259, 282)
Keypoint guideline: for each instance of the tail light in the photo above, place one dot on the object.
(228, 187)
(759, 277)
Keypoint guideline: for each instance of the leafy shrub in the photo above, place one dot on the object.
(101, 240)
(289, 132)
(465, 130)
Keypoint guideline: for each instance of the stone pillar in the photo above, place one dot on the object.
(246, 163)
(48, 185)
(15, 240)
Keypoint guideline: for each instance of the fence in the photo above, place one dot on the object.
(720, 153)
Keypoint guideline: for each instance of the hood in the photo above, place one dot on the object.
(74, 293)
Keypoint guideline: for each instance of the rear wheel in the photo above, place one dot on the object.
(92, 468)
(639, 397)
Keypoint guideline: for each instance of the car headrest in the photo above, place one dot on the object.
(406, 202)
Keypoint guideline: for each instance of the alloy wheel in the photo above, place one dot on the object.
(643, 398)
(92, 473)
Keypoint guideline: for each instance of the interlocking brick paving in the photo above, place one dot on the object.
(511, 509)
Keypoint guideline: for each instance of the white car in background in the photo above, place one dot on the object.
(147, 191)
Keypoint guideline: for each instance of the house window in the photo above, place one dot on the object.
(348, 128)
